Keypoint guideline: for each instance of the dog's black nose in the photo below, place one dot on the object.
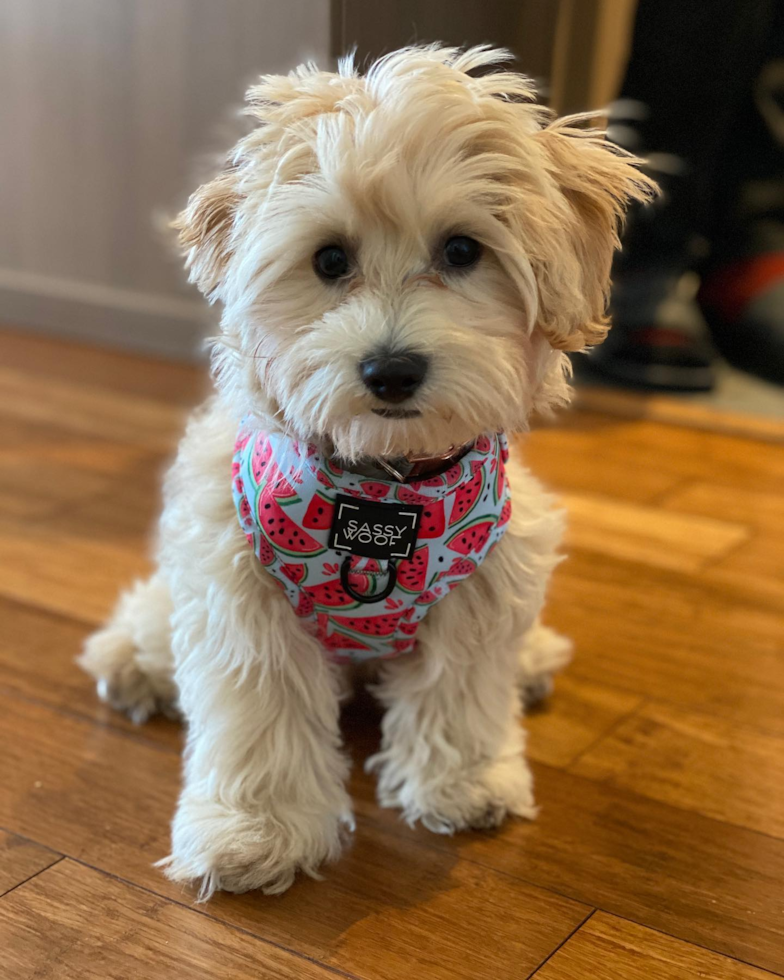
(393, 377)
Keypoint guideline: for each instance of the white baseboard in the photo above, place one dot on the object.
(146, 322)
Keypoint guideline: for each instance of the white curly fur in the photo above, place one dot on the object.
(389, 165)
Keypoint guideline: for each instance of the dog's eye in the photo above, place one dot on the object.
(331, 262)
(462, 251)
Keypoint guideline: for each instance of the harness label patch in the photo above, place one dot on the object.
(374, 530)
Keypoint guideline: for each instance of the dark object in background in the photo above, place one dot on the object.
(703, 99)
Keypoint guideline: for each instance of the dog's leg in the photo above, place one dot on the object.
(264, 793)
(131, 657)
(452, 746)
(452, 742)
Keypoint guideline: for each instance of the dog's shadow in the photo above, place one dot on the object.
(382, 892)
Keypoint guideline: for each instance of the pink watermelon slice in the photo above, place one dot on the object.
(403, 646)
(331, 595)
(433, 522)
(265, 553)
(461, 567)
(498, 483)
(453, 474)
(283, 533)
(342, 641)
(506, 513)
(320, 512)
(281, 489)
(468, 494)
(409, 628)
(408, 496)
(260, 461)
(483, 445)
(323, 479)
(412, 572)
(432, 595)
(295, 573)
(305, 605)
(472, 537)
(434, 481)
(378, 491)
(384, 625)
(433, 518)
(265, 471)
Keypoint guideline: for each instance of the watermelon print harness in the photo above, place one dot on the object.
(291, 500)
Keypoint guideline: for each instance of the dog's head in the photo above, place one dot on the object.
(404, 256)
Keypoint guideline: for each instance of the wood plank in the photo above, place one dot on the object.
(758, 565)
(74, 922)
(67, 572)
(697, 879)
(121, 372)
(564, 459)
(136, 420)
(21, 859)
(574, 717)
(388, 909)
(716, 768)
(607, 948)
(648, 535)
(38, 653)
(638, 447)
(46, 470)
(744, 505)
(689, 641)
(679, 412)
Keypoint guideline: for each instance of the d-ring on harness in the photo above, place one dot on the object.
(345, 570)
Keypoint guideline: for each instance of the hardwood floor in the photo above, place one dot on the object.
(659, 760)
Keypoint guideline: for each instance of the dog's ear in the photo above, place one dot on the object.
(204, 228)
(597, 181)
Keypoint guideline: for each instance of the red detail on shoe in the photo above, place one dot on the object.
(729, 290)
(661, 337)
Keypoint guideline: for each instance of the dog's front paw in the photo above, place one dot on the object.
(460, 800)
(223, 849)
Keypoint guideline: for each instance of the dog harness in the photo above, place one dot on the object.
(362, 561)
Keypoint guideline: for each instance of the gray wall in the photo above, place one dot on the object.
(106, 108)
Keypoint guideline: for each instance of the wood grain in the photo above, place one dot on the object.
(574, 718)
(21, 859)
(687, 640)
(680, 412)
(47, 359)
(38, 653)
(700, 880)
(67, 572)
(641, 447)
(608, 948)
(647, 535)
(132, 419)
(385, 909)
(726, 771)
(73, 923)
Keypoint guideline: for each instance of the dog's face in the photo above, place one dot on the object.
(403, 257)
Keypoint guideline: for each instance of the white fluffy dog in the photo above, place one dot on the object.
(430, 209)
